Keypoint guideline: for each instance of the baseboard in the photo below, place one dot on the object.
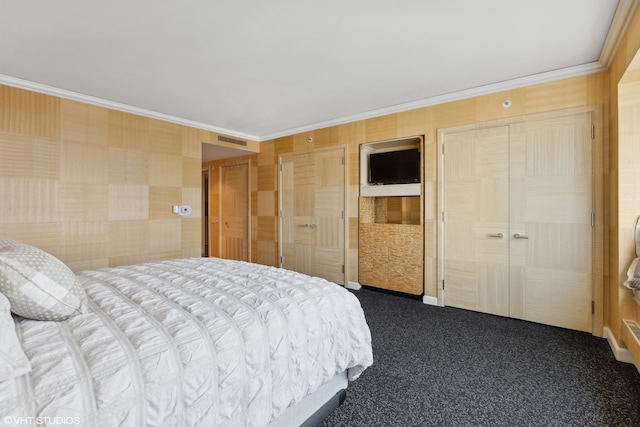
(429, 300)
(621, 354)
(354, 286)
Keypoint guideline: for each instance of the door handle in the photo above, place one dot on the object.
(519, 236)
(304, 225)
(313, 225)
(499, 235)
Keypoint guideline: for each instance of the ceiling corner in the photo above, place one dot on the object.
(621, 20)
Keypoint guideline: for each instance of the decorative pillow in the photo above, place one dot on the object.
(38, 285)
(13, 361)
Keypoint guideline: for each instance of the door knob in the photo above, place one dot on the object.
(499, 235)
(519, 236)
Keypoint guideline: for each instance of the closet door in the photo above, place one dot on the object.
(476, 220)
(551, 213)
(312, 219)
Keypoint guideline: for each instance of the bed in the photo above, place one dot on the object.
(183, 342)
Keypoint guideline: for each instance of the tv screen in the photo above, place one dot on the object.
(395, 167)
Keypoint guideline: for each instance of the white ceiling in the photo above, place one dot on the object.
(260, 69)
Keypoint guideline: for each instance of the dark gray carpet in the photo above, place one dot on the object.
(437, 366)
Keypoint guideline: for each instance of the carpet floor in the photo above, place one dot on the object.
(442, 366)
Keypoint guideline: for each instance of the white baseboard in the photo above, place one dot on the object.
(429, 300)
(354, 286)
(621, 354)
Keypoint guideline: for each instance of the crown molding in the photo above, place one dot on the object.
(426, 102)
(546, 77)
(87, 99)
(619, 24)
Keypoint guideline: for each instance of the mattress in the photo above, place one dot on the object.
(193, 342)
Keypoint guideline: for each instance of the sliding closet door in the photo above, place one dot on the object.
(312, 220)
(476, 220)
(551, 221)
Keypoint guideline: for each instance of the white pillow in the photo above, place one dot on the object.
(38, 285)
(13, 361)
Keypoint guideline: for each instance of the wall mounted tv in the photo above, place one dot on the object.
(394, 167)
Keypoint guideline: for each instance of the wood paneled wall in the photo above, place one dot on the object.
(95, 186)
(622, 180)
(568, 93)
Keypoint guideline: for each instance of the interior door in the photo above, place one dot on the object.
(312, 219)
(476, 223)
(234, 222)
(551, 204)
(329, 201)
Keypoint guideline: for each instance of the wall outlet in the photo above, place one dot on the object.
(185, 210)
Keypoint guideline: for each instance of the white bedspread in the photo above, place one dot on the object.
(195, 342)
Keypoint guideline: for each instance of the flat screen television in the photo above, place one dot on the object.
(394, 167)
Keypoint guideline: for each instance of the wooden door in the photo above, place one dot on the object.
(234, 222)
(476, 220)
(205, 213)
(551, 204)
(329, 202)
(312, 220)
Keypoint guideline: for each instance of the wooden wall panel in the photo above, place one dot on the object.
(266, 203)
(84, 244)
(45, 235)
(381, 128)
(572, 92)
(95, 186)
(40, 119)
(82, 162)
(25, 156)
(128, 166)
(326, 137)
(83, 123)
(93, 198)
(621, 183)
(28, 113)
(128, 131)
(165, 169)
(158, 198)
(191, 232)
(556, 95)
(491, 106)
(628, 196)
(190, 179)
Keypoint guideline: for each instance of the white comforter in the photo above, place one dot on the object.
(195, 342)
